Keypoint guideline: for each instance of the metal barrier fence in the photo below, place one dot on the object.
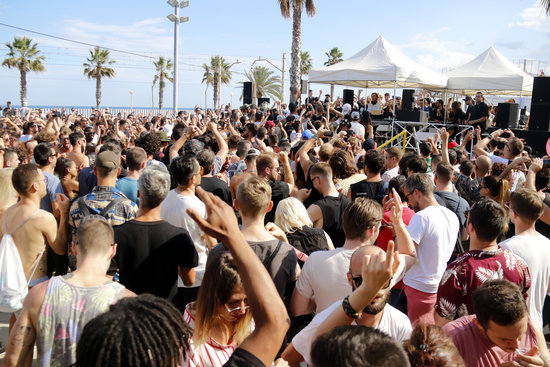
(124, 111)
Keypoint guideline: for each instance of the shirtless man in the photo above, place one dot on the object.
(32, 228)
(78, 142)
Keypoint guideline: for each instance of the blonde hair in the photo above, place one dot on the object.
(221, 277)
(291, 214)
(253, 196)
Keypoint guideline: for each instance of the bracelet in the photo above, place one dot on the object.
(348, 310)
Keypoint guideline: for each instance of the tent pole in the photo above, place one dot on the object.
(445, 102)
(394, 86)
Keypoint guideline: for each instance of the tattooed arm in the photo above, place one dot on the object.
(23, 333)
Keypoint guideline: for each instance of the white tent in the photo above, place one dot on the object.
(490, 73)
(379, 65)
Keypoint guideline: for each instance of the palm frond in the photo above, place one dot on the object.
(285, 8)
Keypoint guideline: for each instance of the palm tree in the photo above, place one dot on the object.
(267, 84)
(545, 4)
(24, 56)
(334, 57)
(296, 6)
(218, 71)
(163, 66)
(96, 68)
(305, 63)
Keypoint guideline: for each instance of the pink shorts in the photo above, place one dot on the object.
(420, 306)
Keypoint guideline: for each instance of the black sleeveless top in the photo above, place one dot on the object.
(279, 191)
(333, 210)
(369, 190)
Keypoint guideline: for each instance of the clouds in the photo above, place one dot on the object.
(438, 54)
(534, 18)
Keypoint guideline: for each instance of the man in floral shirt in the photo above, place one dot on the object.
(485, 261)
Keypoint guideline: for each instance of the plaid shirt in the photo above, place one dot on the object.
(98, 199)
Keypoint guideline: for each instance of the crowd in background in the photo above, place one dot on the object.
(276, 234)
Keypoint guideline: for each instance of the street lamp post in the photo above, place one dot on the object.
(231, 99)
(177, 4)
(131, 100)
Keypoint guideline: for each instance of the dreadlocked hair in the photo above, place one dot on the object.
(136, 331)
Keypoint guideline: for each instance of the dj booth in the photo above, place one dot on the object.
(409, 134)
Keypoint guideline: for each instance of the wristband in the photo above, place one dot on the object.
(348, 310)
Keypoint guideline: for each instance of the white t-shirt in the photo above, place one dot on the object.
(358, 129)
(391, 173)
(375, 109)
(434, 229)
(535, 251)
(173, 210)
(394, 323)
(168, 129)
(323, 277)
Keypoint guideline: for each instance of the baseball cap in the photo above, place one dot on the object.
(468, 98)
(307, 134)
(355, 115)
(162, 136)
(269, 123)
(108, 160)
(346, 108)
(253, 152)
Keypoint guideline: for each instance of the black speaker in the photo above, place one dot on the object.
(263, 100)
(247, 93)
(507, 116)
(540, 104)
(407, 99)
(540, 117)
(304, 87)
(541, 90)
(348, 96)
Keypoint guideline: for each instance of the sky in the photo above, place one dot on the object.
(438, 34)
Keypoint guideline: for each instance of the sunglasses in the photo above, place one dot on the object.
(359, 280)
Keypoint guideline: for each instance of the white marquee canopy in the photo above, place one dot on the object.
(490, 73)
(379, 65)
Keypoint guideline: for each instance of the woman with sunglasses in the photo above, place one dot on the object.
(220, 317)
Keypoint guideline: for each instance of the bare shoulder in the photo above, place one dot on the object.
(128, 293)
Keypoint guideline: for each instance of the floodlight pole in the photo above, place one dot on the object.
(176, 39)
(177, 4)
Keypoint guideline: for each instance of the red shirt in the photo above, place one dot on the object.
(471, 269)
(386, 234)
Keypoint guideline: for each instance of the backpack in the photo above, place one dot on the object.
(85, 210)
(13, 283)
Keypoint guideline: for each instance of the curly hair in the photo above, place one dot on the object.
(150, 143)
(136, 331)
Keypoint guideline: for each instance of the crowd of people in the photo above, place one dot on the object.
(273, 236)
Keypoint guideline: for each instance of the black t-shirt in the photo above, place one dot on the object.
(540, 226)
(217, 187)
(333, 209)
(282, 268)
(148, 256)
(243, 358)
(478, 111)
(369, 190)
(279, 191)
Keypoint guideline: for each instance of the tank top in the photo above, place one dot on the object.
(64, 313)
(333, 210)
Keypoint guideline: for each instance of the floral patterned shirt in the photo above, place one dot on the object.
(471, 269)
